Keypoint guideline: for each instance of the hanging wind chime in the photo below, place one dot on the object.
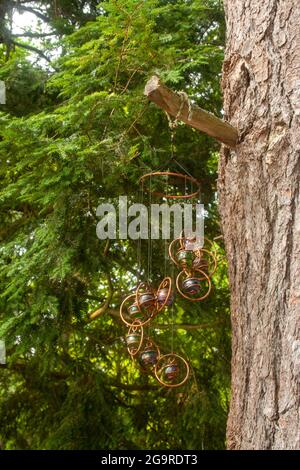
(196, 264)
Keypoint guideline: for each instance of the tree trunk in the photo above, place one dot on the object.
(260, 210)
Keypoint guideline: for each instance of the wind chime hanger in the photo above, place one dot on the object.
(174, 175)
(178, 177)
(189, 113)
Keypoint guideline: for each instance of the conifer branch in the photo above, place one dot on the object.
(133, 387)
(187, 326)
(105, 306)
(28, 34)
(21, 367)
(35, 12)
(32, 49)
(178, 326)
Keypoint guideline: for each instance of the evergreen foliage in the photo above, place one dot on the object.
(69, 140)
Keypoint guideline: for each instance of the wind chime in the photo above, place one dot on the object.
(197, 267)
(196, 264)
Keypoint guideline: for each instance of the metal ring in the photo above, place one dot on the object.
(170, 173)
(197, 299)
(182, 238)
(131, 296)
(211, 254)
(132, 330)
(170, 250)
(167, 281)
(149, 289)
(156, 371)
(148, 344)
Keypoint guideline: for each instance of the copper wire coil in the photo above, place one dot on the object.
(125, 318)
(205, 240)
(166, 283)
(211, 255)
(197, 252)
(172, 244)
(187, 274)
(142, 290)
(177, 175)
(149, 345)
(182, 239)
(175, 357)
(136, 326)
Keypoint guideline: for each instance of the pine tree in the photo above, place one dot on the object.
(77, 137)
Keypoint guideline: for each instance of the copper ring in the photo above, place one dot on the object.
(149, 289)
(198, 299)
(148, 344)
(206, 240)
(133, 297)
(170, 250)
(182, 238)
(170, 173)
(166, 282)
(209, 242)
(211, 254)
(156, 371)
(134, 327)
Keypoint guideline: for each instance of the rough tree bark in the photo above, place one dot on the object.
(260, 210)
